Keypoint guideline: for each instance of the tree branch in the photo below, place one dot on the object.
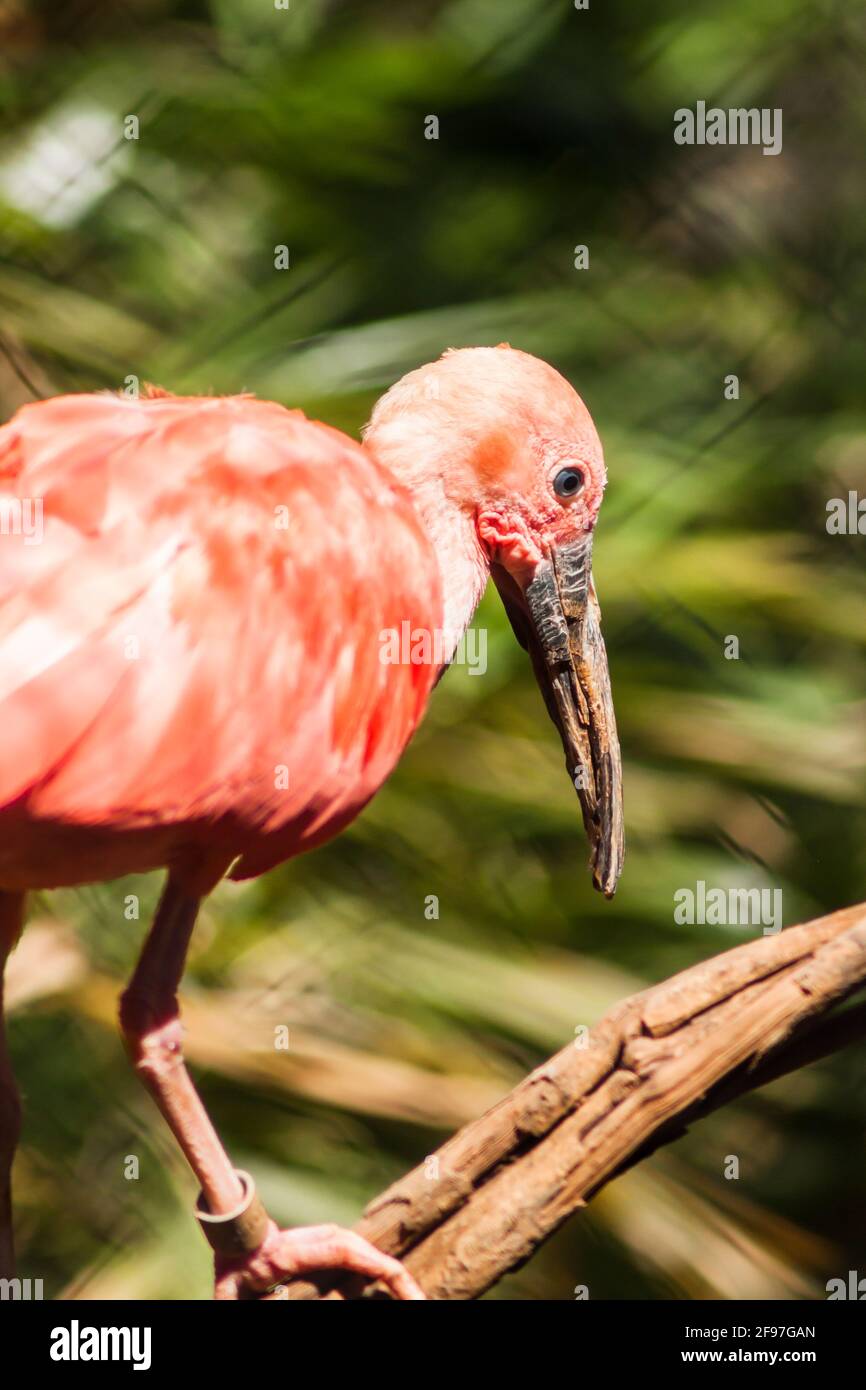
(503, 1184)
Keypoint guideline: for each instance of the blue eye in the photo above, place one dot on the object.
(568, 482)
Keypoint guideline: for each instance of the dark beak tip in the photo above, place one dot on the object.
(606, 884)
(606, 862)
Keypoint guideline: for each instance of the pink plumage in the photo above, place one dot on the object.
(191, 665)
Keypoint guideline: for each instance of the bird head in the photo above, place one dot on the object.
(504, 459)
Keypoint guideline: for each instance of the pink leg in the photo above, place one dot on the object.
(150, 1021)
(11, 919)
(252, 1253)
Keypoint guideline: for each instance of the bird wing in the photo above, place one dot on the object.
(194, 636)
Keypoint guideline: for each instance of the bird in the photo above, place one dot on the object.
(196, 601)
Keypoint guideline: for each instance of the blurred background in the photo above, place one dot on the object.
(154, 258)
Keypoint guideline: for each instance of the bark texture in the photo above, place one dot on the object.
(484, 1202)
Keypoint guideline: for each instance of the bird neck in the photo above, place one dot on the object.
(463, 566)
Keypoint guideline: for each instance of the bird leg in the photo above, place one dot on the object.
(11, 919)
(251, 1252)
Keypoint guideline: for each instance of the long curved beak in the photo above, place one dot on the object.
(558, 619)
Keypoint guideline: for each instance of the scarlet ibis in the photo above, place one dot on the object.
(193, 671)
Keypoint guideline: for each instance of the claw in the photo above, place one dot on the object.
(306, 1250)
(252, 1254)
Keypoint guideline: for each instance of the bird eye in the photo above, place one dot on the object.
(568, 482)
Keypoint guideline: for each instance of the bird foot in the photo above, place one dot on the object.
(306, 1250)
(252, 1254)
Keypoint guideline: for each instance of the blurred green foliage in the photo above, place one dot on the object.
(155, 257)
